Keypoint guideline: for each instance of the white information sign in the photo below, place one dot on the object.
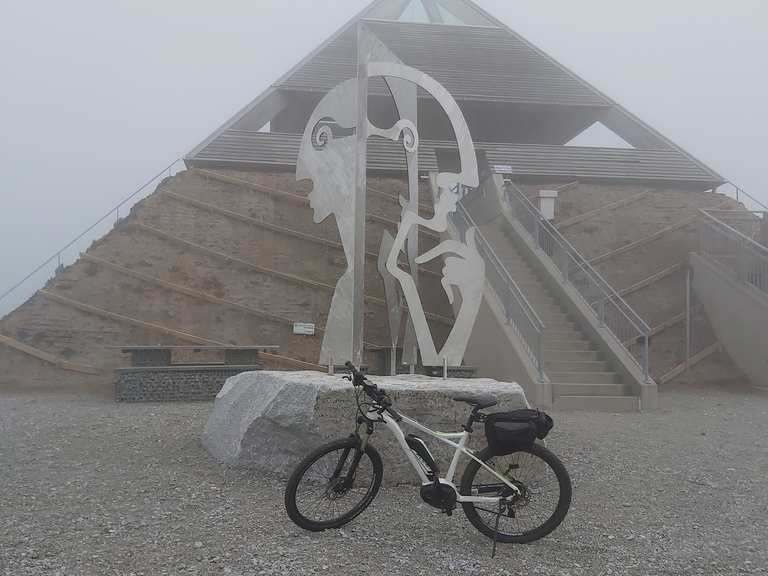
(304, 328)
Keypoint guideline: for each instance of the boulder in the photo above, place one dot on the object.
(270, 420)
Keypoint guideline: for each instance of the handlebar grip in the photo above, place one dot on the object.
(359, 377)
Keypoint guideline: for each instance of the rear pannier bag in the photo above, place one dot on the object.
(510, 431)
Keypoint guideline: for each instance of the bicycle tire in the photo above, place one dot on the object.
(350, 445)
(469, 481)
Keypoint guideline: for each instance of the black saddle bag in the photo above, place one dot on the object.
(510, 431)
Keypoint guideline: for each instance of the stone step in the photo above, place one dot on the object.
(552, 307)
(559, 325)
(576, 366)
(541, 305)
(571, 355)
(558, 334)
(572, 389)
(555, 344)
(598, 403)
(584, 377)
(553, 314)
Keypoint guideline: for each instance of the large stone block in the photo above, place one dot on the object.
(270, 420)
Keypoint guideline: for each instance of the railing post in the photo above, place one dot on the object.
(601, 311)
(536, 233)
(565, 263)
(741, 264)
(646, 356)
(540, 355)
(688, 320)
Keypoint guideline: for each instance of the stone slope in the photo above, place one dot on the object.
(210, 257)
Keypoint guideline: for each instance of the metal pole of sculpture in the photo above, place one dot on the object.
(361, 191)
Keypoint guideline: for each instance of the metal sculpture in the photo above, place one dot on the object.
(327, 157)
(333, 155)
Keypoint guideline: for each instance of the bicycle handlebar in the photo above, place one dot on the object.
(372, 391)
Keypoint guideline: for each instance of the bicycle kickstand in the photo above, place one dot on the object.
(496, 529)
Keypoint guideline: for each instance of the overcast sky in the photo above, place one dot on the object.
(96, 96)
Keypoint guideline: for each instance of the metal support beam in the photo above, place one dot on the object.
(388, 10)
(465, 12)
(433, 11)
(359, 198)
(688, 320)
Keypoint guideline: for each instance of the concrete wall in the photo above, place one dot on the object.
(739, 316)
(497, 352)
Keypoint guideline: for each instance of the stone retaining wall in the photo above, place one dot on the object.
(174, 383)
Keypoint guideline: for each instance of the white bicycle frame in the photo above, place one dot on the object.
(460, 448)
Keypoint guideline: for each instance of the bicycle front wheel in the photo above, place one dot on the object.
(333, 484)
(543, 502)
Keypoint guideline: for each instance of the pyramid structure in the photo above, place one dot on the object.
(227, 253)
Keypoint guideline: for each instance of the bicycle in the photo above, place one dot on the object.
(506, 481)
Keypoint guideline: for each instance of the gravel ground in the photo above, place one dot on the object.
(91, 487)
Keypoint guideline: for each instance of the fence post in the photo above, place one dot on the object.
(742, 262)
(565, 264)
(646, 357)
(540, 356)
(688, 320)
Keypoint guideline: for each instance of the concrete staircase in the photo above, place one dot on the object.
(579, 375)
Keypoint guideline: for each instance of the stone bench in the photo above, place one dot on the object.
(270, 420)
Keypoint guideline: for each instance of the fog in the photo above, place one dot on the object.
(98, 96)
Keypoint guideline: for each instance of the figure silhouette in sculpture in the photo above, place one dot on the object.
(463, 272)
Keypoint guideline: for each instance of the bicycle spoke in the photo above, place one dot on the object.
(322, 495)
(539, 487)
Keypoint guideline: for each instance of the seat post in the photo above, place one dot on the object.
(471, 419)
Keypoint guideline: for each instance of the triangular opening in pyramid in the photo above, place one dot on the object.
(598, 135)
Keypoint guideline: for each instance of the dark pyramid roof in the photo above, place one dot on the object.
(473, 63)
(242, 148)
(486, 66)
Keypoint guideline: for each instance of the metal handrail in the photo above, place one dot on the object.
(499, 266)
(730, 229)
(741, 193)
(57, 256)
(628, 328)
(751, 223)
(745, 257)
(520, 314)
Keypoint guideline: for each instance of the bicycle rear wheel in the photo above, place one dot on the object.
(333, 484)
(545, 494)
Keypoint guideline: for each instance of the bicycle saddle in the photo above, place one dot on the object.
(482, 401)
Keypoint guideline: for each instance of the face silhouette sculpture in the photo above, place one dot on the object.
(327, 158)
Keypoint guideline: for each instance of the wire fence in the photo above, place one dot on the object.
(68, 253)
(744, 257)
